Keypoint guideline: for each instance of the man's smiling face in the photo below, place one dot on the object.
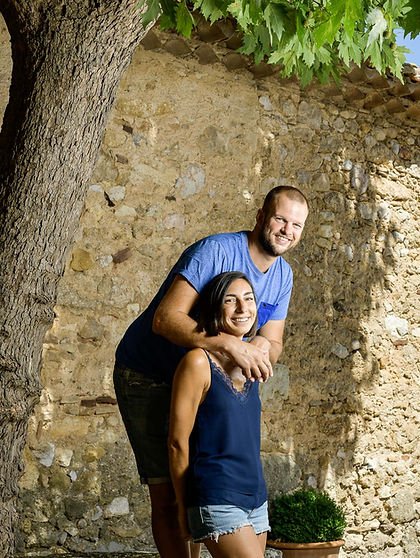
(282, 225)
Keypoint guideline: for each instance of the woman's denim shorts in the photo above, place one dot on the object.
(214, 520)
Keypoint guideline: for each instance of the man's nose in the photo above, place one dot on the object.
(287, 228)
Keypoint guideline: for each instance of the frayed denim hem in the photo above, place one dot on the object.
(216, 534)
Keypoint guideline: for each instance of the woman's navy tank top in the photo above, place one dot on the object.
(225, 465)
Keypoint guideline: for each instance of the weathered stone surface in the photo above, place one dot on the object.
(81, 260)
(281, 473)
(93, 453)
(402, 507)
(340, 351)
(116, 193)
(91, 330)
(175, 221)
(396, 326)
(277, 388)
(321, 182)
(75, 508)
(119, 506)
(310, 114)
(192, 182)
(122, 255)
(46, 455)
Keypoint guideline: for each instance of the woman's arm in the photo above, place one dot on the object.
(191, 382)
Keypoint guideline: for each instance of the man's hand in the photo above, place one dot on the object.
(252, 358)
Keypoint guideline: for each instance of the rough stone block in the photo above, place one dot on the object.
(281, 473)
(81, 260)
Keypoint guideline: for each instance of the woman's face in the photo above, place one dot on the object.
(239, 308)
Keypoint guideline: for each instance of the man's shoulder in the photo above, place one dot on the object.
(222, 238)
(219, 240)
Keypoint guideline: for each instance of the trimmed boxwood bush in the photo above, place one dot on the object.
(306, 515)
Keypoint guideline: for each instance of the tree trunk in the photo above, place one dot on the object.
(68, 58)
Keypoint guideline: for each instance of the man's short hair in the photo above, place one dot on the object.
(290, 191)
(208, 312)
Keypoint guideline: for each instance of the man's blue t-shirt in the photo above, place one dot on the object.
(153, 355)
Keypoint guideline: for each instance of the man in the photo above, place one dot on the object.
(155, 342)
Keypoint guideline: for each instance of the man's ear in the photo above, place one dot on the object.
(260, 218)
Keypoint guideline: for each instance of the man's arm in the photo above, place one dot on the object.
(272, 332)
(171, 320)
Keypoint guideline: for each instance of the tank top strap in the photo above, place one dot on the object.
(227, 380)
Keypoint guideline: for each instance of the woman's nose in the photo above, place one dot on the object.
(240, 305)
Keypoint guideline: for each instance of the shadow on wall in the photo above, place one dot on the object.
(324, 415)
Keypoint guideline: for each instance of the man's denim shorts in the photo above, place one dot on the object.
(144, 406)
(212, 521)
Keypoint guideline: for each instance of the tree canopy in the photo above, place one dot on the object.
(308, 38)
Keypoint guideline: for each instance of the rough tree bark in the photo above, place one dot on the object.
(68, 57)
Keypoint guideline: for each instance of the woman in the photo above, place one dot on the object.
(214, 434)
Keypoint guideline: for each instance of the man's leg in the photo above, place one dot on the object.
(195, 549)
(165, 523)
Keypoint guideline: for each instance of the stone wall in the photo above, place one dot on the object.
(191, 150)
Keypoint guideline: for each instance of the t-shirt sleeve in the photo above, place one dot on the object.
(203, 261)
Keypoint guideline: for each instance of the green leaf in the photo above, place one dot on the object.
(240, 11)
(374, 53)
(249, 44)
(300, 29)
(255, 11)
(323, 55)
(152, 13)
(306, 75)
(344, 52)
(274, 18)
(209, 8)
(355, 53)
(184, 20)
(308, 55)
(353, 14)
(276, 57)
(330, 22)
(411, 22)
(263, 37)
(166, 22)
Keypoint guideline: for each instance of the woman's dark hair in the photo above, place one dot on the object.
(208, 310)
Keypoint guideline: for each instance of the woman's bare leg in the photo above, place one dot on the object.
(262, 539)
(243, 543)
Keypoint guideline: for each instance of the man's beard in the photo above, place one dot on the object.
(266, 243)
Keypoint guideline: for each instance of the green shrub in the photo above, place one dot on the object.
(306, 516)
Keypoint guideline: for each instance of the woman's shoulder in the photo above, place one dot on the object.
(196, 357)
(194, 369)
